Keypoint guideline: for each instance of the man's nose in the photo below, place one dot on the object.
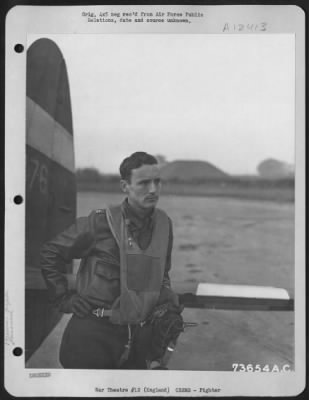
(153, 187)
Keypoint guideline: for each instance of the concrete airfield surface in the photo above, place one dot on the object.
(218, 241)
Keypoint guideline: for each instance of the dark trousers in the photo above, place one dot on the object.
(95, 343)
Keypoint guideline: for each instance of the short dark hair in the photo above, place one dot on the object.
(134, 161)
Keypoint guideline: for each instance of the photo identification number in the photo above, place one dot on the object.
(260, 368)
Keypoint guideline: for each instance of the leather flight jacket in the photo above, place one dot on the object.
(132, 288)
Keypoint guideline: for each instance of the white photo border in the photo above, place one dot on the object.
(24, 20)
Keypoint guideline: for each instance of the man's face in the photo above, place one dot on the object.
(144, 188)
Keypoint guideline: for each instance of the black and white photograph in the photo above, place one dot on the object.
(159, 201)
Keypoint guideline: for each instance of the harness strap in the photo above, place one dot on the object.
(102, 312)
(125, 355)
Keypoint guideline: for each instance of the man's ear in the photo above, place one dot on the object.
(124, 185)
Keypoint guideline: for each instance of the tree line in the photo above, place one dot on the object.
(86, 176)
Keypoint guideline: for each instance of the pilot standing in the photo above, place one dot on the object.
(123, 277)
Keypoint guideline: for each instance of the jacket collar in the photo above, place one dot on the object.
(134, 218)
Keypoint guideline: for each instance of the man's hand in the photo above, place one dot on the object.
(75, 304)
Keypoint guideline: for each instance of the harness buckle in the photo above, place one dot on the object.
(98, 312)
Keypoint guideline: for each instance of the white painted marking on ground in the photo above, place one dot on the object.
(246, 291)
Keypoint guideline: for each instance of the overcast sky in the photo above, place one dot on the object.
(225, 99)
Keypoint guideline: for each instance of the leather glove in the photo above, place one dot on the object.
(74, 303)
(168, 296)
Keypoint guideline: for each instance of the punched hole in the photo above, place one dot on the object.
(19, 48)
(18, 351)
(18, 199)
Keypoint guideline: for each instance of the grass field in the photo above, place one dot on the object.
(222, 240)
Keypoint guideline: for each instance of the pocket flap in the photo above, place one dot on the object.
(107, 271)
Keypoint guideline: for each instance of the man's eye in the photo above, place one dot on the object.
(147, 182)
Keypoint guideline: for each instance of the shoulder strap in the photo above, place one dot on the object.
(114, 216)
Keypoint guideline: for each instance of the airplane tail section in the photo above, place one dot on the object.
(50, 175)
